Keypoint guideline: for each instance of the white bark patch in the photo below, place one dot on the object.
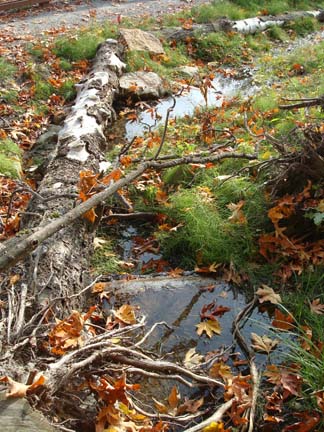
(253, 25)
(79, 123)
(256, 24)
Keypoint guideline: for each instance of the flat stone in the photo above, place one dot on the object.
(189, 71)
(16, 415)
(142, 85)
(139, 40)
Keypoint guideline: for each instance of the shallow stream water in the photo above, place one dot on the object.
(223, 88)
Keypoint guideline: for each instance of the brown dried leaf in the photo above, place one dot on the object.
(266, 293)
(263, 343)
(126, 314)
(317, 307)
(174, 398)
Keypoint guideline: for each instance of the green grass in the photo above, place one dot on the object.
(207, 233)
(10, 159)
(79, 47)
(7, 70)
(164, 66)
(104, 259)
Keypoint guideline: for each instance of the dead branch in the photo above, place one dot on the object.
(22, 245)
(237, 324)
(304, 103)
(216, 417)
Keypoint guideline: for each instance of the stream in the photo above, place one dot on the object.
(223, 88)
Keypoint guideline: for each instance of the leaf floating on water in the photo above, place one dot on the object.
(210, 327)
(266, 293)
(263, 343)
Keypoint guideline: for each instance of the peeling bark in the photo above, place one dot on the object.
(58, 267)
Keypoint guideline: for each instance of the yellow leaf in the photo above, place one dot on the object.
(214, 427)
(192, 358)
(210, 327)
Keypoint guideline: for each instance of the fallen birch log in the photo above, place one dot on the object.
(58, 266)
(245, 26)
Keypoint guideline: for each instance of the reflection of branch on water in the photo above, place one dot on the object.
(184, 314)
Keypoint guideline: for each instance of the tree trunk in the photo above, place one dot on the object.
(58, 267)
(246, 26)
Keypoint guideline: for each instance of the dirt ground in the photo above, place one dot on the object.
(67, 15)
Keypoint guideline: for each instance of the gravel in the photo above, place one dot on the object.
(65, 15)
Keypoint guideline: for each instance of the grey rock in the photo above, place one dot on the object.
(189, 71)
(16, 415)
(139, 40)
(142, 85)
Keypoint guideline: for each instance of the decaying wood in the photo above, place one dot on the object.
(58, 267)
(245, 26)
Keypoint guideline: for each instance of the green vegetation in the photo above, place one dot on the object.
(164, 65)
(212, 231)
(104, 259)
(7, 70)
(79, 47)
(10, 163)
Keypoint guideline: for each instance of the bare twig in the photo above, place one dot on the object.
(169, 110)
(15, 249)
(216, 417)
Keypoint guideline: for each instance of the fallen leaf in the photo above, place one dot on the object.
(237, 215)
(99, 242)
(190, 406)
(266, 293)
(19, 390)
(126, 314)
(174, 398)
(209, 327)
(309, 419)
(283, 321)
(221, 370)
(317, 307)
(192, 358)
(263, 343)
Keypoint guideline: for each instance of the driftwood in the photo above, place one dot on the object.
(246, 26)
